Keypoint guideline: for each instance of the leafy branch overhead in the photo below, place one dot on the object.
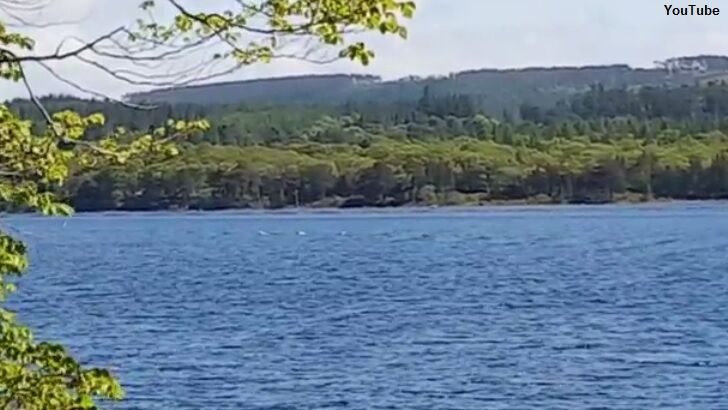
(326, 21)
(196, 44)
(175, 42)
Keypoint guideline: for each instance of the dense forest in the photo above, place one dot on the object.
(397, 172)
(601, 145)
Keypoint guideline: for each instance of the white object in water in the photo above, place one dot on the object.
(263, 233)
(301, 233)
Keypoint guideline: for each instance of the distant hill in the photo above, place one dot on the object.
(298, 89)
(495, 90)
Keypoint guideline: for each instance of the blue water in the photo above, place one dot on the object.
(512, 308)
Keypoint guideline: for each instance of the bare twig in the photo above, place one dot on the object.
(94, 93)
(25, 22)
(72, 53)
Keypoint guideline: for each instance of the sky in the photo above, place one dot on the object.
(445, 36)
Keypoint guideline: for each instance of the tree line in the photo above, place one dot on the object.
(647, 112)
(602, 146)
(388, 172)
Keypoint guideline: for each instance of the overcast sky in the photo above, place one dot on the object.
(446, 36)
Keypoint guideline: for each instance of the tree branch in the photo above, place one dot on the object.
(60, 56)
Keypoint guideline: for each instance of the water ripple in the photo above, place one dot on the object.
(552, 308)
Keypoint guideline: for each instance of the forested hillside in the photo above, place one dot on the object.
(610, 141)
(495, 91)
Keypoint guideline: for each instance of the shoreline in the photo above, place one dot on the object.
(408, 208)
(499, 205)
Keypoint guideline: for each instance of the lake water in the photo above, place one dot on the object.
(510, 308)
